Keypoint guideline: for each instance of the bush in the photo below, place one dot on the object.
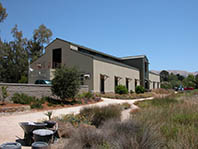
(4, 93)
(22, 98)
(139, 89)
(36, 105)
(166, 85)
(75, 120)
(86, 138)
(87, 95)
(121, 89)
(23, 79)
(28, 100)
(116, 134)
(98, 115)
(66, 82)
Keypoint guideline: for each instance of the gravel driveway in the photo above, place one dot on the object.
(10, 129)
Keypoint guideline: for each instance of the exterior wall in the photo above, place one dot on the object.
(139, 63)
(70, 58)
(37, 90)
(154, 79)
(112, 70)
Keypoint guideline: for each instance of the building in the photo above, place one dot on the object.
(100, 71)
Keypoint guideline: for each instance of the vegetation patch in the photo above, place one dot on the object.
(97, 115)
(121, 89)
(175, 117)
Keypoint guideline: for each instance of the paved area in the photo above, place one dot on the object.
(10, 129)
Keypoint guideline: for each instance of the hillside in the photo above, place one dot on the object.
(181, 72)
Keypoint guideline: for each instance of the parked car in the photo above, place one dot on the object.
(43, 82)
(188, 88)
(180, 88)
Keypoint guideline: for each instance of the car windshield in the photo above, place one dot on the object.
(48, 82)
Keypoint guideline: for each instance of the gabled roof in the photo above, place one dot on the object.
(96, 54)
(134, 57)
(154, 73)
(89, 49)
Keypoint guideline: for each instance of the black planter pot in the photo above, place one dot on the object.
(50, 124)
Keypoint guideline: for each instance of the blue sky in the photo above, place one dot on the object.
(164, 30)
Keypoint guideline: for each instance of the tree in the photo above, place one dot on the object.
(66, 82)
(196, 81)
(189, 81)
(13, 58)
(3, 13)
(164, 75)
(35, 46)
(180, 77)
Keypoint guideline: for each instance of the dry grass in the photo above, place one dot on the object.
(176, 119)
(117, 135)
(98, 115)
(163, 91)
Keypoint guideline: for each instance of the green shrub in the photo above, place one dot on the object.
(131, 91)
(75, 120)
(166, 85)
(22, 98)
(23, 79)
(121, 89)
(36, 105)
(98, 115)
(87, 95)
(139, 89)
(66, 82)
(4, 93)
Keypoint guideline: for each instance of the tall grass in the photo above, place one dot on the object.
(115, 134)
(97, 115)
(176, 118)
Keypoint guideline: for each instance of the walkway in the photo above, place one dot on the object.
(10, 128)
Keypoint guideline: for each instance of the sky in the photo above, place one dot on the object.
(166, 31)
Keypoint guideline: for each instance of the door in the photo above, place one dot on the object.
(102, 84)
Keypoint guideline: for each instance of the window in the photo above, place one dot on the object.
(82, 79)
(102, 84)
(135, 83)
(153, 85)
(127, 83)
(158, 85)
(56, 60)
(116, 81)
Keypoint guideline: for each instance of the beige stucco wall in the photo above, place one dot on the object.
(70, 58)
(112, 70)
(154, 79)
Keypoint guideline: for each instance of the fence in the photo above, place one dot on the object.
(37, 90)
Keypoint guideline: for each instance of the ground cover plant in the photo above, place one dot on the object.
(101, 127)
(175, 117)
(49, 102)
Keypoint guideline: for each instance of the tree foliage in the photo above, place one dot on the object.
(66, 82)
(15, 54)
(3, 13)
(164, 75)
(172, 80)
(13, 58)
(35, 46)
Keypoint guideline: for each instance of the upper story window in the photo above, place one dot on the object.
(56, 58)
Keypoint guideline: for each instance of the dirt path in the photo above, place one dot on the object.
(10, 128)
